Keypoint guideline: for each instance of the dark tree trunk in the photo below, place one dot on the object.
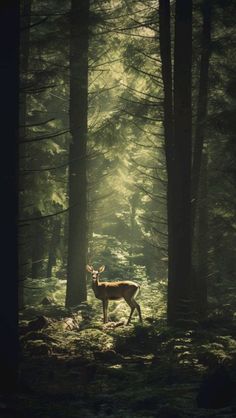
(77, 245)
(178, 147)
(199, 170)
(202, 103)
(9, 87)
(202, 242)
(165, 51)
(24, 63)
(38, 251)
(53, 245)
(182, 160)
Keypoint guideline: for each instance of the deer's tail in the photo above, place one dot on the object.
(137, 291)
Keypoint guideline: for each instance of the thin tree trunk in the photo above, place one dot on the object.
(165, 51)
(77, 245)
(133, 207)
(202, 242)
(37, 250)
(132, 235)
(54, 242)
(199, 169)
(183, 154)
(202, 103)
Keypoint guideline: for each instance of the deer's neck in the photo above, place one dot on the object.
(95, 286)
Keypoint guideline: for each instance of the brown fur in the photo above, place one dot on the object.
(106, 291)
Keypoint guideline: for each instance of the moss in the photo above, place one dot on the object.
(37, 348)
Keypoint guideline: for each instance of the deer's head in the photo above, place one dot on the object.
(95, 273)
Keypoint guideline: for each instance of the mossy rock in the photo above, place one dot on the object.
(38, 323)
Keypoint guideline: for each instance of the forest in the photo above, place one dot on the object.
(118, 180)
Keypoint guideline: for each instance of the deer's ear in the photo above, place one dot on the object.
(101, 269)
(89, 268)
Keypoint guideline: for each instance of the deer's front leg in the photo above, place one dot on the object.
(105, 307)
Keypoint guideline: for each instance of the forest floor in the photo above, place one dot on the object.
(72, 365)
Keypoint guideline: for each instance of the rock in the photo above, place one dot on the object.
(48, 301)
(70, 324)
(39, 323)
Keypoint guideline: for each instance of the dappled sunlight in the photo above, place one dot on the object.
(126, 210)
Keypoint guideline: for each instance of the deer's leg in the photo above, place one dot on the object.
(105, 307)
(137, 306)
(129, 302)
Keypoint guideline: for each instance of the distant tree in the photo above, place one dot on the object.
(55, 239)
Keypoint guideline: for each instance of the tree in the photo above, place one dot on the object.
(24, 61)
(166, 60)
(55, 239)
(202, 103)
(178, 145)
(9, 81)
(199, 168)
(77, 245)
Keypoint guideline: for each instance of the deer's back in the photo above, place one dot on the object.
(116, 290)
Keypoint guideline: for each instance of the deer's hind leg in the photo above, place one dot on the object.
(137, 306)
(132, 306)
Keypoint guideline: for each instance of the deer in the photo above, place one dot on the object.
(117, 290)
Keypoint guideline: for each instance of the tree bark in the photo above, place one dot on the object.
(178, 148)
(77, 245)
(9, 116)
(199, 169)
(202, 242)
(182, 245)
(165, 51)
(54, 242)
(24, 63)
(202, 103)
(37, 248)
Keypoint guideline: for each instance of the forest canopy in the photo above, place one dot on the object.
(123, 124)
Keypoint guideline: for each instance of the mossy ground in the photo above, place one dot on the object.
(74, 366)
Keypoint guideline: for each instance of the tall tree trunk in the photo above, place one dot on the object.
(165, 51)
(199, 169)
(178, 147)
(9, 117)
(24, 63)
(202, 242)
(202, 103)
(77, 245)
(182, 159)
